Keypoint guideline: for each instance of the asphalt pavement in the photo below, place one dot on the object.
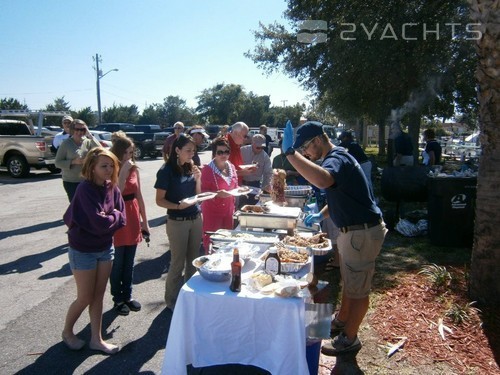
(36, 285)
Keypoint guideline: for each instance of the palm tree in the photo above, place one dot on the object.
(484, 282)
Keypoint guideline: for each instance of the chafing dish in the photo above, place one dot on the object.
(276, 218)
(224, 236)
(291, 200)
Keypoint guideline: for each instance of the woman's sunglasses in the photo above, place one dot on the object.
(222, 152)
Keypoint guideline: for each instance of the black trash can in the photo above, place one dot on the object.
(451, 210)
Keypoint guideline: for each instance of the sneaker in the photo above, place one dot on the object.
(133, 305)
(122, 309)
(336, 327)
(341, 345)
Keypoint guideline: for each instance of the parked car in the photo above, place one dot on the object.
(159, 140)
(103, 137)
(253, 131)
(144, 143)
(54, 128)
(116, 126)
(50, 130)
(21, 148)
(148, 128)
(212, 130)
(333, 133)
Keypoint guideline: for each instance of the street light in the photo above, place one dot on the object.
(99, 76)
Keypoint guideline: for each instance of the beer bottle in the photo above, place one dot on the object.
(235, 272)
(272, 264)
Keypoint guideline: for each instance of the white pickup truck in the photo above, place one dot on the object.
(22, 145)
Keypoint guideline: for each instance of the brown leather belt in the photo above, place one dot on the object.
(360, 226)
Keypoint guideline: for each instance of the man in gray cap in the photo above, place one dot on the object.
(352, 208)
(199, 136)
(61, 136)
(261, 176)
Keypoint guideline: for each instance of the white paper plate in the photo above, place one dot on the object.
(247, 166)
(240, 191)
(199, 198)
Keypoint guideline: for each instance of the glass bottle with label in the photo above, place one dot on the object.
(272, 264)
(235, 272)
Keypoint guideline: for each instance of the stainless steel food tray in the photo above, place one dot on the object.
(291, 200)
(226, 235)
(267, 220)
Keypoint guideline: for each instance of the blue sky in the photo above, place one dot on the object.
(160, 47)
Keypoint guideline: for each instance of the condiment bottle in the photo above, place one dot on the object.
(272, 264)
(235, 272)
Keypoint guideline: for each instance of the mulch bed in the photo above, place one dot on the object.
(413, 309)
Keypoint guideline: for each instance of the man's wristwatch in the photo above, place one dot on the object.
(290, 151)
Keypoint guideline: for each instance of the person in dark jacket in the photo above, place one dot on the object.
(403, 147)
(432, 153)
(94, 214)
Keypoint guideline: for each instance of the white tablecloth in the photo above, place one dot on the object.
(212, 325)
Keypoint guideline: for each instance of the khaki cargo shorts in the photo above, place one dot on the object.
(358, 250)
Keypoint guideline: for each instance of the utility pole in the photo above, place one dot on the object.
(284, 102)
(98, 72)
(99, 75)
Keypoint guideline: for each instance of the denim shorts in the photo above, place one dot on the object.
(88, 261)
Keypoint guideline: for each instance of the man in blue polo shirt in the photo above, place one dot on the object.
(351, 206)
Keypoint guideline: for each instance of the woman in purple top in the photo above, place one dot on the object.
(95, 213)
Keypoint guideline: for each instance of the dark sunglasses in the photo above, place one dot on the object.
(222, 152)
(79, 129)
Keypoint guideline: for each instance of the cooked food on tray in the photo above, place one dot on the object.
(278, 184)
(318, 241)
(250, 208)
(290, 256)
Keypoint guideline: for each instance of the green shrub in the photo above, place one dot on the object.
(438, 275)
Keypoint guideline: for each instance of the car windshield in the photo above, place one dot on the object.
(106, 136)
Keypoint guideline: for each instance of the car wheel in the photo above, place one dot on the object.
(138, 152)
(18, 167)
